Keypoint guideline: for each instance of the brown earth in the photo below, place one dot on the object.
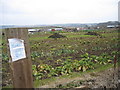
(105, 79)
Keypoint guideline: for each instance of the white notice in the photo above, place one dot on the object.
(17, 49)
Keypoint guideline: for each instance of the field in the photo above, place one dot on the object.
(63, 56)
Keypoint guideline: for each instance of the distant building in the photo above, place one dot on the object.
(70, 29)
(112, 26)
(33, 30)
(53, 30)
(56, 29)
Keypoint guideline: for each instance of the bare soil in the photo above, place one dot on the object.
(105, 79)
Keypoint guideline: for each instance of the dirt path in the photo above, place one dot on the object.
(106, 79)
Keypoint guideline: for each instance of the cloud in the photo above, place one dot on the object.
(57, 11)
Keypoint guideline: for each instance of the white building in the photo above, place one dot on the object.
(33, 30)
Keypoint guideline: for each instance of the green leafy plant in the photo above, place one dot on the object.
(69, 65)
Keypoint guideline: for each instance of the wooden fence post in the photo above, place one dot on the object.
(21, 68)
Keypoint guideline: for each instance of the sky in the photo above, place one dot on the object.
(32, 12)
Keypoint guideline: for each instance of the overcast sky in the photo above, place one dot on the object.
(31, 12)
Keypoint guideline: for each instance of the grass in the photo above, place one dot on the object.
(0, 36)
(38, 38)
(7, 87)
(80, 36)
(68, 36)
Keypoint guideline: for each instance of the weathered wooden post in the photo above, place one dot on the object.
(119, 11)
(19, 55)
(115, 62)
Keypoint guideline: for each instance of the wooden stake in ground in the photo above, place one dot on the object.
(19, 55)
(115, 61)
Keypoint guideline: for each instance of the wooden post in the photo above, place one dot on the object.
(21, 69)
(115, 62)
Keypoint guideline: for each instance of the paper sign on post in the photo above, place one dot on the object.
(17, 49)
